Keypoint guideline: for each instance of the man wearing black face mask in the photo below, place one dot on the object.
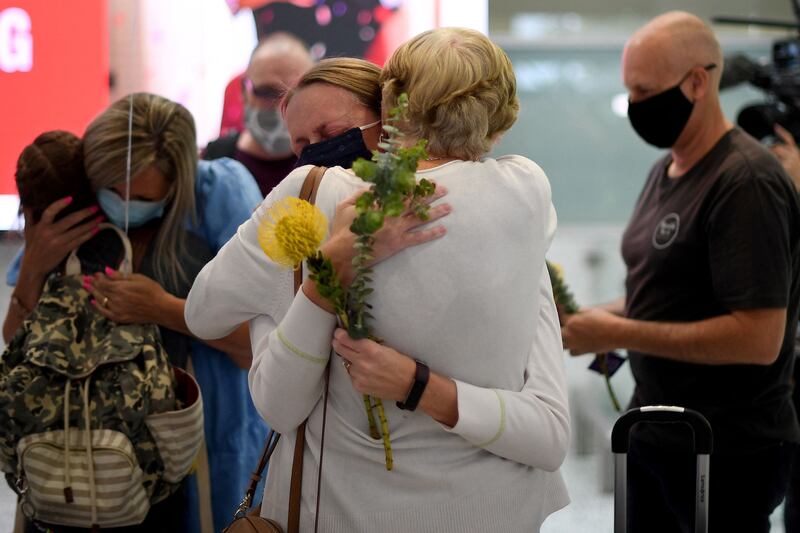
(713, 263)
(264, 147)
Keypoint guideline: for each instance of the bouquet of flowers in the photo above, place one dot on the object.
(605, 363)
(294, 229)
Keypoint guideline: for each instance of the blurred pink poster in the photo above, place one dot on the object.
(371, 29)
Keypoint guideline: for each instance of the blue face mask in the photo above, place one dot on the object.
(139, 212)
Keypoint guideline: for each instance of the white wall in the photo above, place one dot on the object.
(185, 50)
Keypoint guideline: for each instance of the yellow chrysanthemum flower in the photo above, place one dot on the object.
(292, 230)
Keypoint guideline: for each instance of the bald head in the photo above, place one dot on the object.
(278, 62)
(666, 48)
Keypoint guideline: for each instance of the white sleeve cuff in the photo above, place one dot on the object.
(481, 414)
(307, 330)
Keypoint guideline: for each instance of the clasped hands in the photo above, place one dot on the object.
(126, 298)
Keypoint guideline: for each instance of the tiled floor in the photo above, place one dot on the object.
(7, 503)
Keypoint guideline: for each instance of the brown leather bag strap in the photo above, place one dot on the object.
(255, 477)
(322, 444)
(296, 486)
(308, 192)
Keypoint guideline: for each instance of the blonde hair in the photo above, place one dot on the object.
(356, 76)
(462, 93)
(163, 135)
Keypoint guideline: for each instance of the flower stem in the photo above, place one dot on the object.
(604, 367)
(394, 189)
(373, 426)
(387, 443)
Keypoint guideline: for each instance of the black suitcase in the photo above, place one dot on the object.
(703, 443)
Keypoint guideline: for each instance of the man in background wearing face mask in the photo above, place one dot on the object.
(713, 261)
(264, 146)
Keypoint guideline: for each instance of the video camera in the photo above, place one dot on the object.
(779, 79)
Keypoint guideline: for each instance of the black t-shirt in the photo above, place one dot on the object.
(267, 172)
(723, 237)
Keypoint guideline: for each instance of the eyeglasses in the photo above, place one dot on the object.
(263, 92)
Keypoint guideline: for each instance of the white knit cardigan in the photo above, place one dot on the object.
(476, 305)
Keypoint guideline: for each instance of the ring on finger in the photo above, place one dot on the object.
(346, 364)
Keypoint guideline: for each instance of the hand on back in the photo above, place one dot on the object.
(397, 233)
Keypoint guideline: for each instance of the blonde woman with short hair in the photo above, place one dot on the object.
(482, 449)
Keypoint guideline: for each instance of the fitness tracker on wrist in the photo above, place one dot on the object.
(420, 382)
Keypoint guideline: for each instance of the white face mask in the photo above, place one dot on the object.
(268, 129)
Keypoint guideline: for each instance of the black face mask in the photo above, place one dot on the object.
(341, 150)
(660, 119)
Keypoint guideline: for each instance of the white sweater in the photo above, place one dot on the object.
(476, 306)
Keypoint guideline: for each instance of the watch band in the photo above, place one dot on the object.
(420, 382)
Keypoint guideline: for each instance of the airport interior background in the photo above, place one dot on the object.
(573, 123)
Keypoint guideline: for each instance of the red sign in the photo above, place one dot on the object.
(53, 72)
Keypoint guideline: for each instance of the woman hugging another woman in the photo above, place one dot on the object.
(482, 449)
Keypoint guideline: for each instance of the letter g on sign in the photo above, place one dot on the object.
(16, 41)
